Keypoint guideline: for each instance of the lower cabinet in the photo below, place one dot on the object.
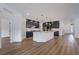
(56, 33)
(29, 34)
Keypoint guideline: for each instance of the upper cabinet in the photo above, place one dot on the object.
(50, 25)
(55, 24)
(32, 23)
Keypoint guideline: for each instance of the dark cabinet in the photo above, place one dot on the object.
(50, 25)
(55, 24)
(32, 23)
(29, 34)
(56, 33)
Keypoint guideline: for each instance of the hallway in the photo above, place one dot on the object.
(65, 45)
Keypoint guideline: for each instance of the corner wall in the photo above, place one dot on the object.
(16, 30)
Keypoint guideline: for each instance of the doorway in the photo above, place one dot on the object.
(5, 28)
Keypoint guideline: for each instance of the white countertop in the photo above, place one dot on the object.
(38, 29)
(32, 29)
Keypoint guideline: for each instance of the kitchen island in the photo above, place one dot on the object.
(43, 36)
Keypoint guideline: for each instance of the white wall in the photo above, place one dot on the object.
(16, 35)
(23, 27)
(61, 28)
(0, 27)
(0, 32)
(76, 28)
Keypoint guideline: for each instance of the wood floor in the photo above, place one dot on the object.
(65, 45)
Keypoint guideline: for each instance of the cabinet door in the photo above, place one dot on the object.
(55, 24)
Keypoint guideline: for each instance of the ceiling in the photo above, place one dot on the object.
(47, 11)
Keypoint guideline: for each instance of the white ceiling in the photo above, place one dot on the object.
(47, 11)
